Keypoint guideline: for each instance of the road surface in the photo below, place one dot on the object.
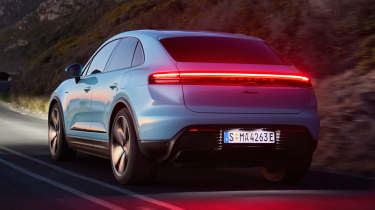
(29, 179)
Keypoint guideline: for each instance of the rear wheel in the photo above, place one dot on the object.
(128, 164)
(290, 171)
(59, 149)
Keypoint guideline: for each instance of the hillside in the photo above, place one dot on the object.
(316, 36)
(12, 11)
(332, 40)
(347, 118)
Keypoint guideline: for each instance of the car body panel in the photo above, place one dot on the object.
(244, 99)
(103, 95)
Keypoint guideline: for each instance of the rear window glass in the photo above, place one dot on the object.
(219, 50)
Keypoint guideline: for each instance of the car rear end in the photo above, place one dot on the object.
(242, 105)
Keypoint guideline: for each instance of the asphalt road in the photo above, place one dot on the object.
(29, 179)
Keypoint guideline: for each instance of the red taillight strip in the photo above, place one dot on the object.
(165, 75)
(187, 77)
(278, 76)
(165, 78)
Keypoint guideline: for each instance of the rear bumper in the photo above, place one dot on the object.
(206, 147)
(165, 122)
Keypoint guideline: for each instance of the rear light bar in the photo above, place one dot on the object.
(222, 78)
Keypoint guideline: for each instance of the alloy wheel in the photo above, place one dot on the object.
(54, 131)
(120, 145)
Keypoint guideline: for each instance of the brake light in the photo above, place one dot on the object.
(223, 78)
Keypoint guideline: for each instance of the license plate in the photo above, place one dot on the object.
(257, 136)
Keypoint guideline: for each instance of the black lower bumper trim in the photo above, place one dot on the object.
(156, 150)
(190, 147)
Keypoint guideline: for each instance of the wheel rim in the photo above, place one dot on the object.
(120, 145)
(54, 131)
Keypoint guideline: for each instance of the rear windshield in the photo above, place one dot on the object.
(219, 50)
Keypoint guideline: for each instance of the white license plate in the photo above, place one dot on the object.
(257, 136)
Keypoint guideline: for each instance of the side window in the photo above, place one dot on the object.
(100, 60)
(123, 54)
(139, 56)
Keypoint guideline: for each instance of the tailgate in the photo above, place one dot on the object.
(253, 98)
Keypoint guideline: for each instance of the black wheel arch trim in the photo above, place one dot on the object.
(160, 150)
(147, 148)
(55, 98)
(124, 102)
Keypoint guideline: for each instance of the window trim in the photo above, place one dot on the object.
(131, 63)
(143, 53)
(84, 73)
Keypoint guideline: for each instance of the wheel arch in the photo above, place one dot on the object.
(122, 103)
(53, 101)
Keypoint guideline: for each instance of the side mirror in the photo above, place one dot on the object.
(74, 70)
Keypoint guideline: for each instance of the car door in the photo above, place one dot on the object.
(78, 103)
(81, 123)
(110, 82)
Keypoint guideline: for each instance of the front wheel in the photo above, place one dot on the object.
(128, 164)
(59, 149)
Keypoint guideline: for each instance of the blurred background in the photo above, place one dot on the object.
(331, 40)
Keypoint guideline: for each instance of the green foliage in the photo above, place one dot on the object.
(36, 104)
(366, 53)
(6, 97)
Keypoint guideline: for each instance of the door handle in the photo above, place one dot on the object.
(87, 89)
(113, 86)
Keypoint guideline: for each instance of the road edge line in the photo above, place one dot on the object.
(95, 181)
(60, 185)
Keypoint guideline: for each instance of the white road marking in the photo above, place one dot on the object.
(95, 181)
(61, 186)
(255, 193)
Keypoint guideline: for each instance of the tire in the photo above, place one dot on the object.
(59, 149)
(291, 171)
(129, 166)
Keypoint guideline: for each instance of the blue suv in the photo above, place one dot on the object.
(186, 98)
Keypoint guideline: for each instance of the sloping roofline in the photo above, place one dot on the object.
(160, 34)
